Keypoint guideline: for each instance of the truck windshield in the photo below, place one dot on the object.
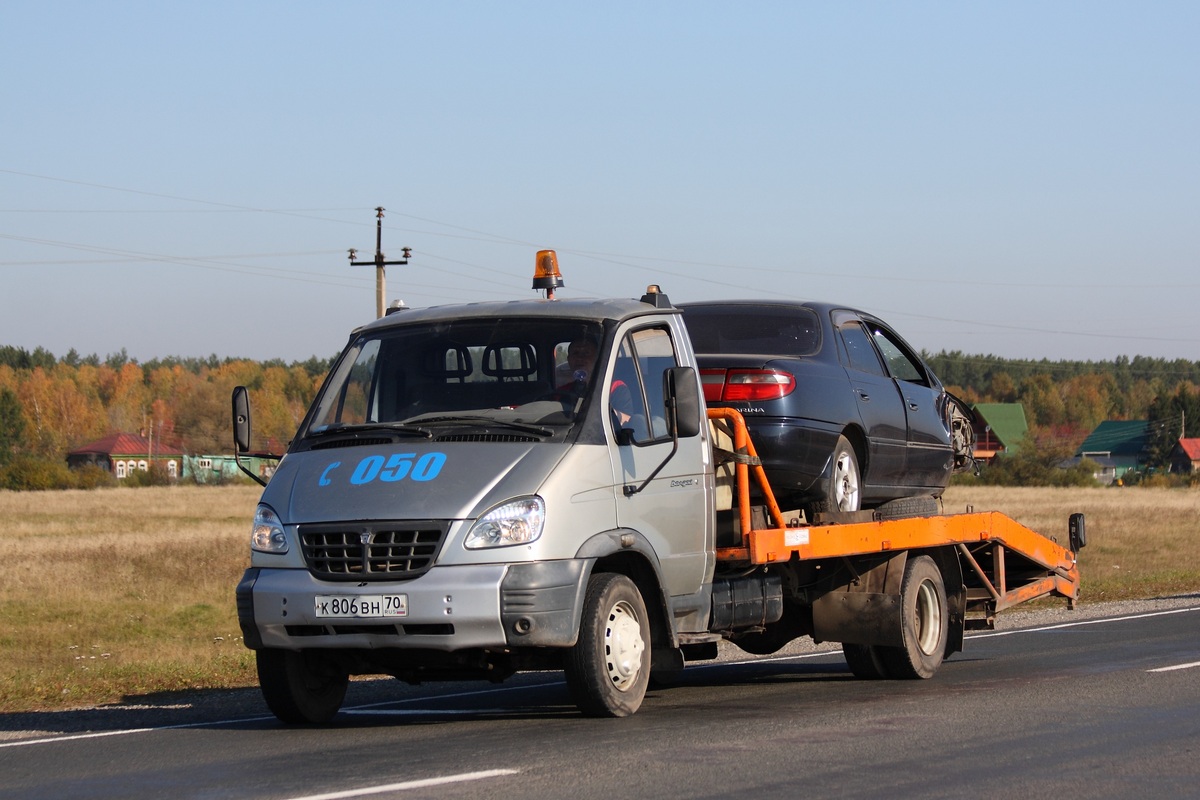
(520, 374)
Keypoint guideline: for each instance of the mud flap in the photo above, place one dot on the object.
(866, 609)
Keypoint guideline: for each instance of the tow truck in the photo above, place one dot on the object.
(463, 500)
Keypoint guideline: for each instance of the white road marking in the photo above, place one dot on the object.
(1096, 621)
(1192, 665)
(400, 787)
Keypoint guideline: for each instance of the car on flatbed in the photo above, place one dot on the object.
(845, 414)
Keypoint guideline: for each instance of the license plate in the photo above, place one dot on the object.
(361, 606)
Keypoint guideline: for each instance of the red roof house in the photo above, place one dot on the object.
(1186, 456)
(122, 453)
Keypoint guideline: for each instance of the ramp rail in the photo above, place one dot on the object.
(1004, 563)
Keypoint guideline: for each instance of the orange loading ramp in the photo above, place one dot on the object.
(1004, 562)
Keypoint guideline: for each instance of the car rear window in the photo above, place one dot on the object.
(763, 330)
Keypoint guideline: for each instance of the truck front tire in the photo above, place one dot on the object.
(301, 687)
(609, 667)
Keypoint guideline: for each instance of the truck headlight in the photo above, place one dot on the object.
(515, 522)
(267, 535)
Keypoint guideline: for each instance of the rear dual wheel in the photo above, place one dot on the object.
(864, 661)
(924, 628)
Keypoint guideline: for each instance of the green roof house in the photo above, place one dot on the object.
(1121, 442)
(999, 428)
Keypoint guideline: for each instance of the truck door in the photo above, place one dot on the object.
(674, 510)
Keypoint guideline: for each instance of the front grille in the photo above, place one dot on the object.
(381, 551)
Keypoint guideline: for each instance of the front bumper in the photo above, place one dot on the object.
(450, 608)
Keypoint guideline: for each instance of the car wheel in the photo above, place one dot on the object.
(844, 492)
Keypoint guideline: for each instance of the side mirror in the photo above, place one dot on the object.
(241, 419)
(1077, 533)
(685, 410)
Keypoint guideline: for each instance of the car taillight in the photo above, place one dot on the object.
(745, 385)
(713, 381)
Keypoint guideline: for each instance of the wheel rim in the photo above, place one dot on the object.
(623, 646)
(845, 483)
(928, 618)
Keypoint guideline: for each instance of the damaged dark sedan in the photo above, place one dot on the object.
(845, 415)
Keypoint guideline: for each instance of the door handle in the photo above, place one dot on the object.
(913, 405)
(866, 398)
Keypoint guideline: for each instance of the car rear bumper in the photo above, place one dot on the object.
(794, 454)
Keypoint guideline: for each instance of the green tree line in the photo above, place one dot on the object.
(50, 405)
(1065, 400)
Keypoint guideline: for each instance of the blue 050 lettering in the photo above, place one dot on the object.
(396, 468)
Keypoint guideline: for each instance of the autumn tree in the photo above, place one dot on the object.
(57, 415)
(12, 425)
(123, 391)
(1088, 399)
(1043, 404)
(202, 415)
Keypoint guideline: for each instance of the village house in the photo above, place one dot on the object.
(1118, 446)
(124, 453)
(1186, 456)
(999, 428)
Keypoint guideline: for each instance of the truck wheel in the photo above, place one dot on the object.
(301, 687)
(924, 623)
(864, 661)
(609, 667)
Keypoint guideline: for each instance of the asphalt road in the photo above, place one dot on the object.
(1100, 702)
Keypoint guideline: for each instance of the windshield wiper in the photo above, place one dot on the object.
(477, 419)
(342, 428)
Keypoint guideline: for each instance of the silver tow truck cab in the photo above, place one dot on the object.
(484, 488)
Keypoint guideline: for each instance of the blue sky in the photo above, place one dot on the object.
(1017, 178)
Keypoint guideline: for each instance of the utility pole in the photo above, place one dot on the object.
(380, 280)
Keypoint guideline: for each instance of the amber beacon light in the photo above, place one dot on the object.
(545, 272)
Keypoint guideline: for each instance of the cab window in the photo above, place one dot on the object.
(636, 396)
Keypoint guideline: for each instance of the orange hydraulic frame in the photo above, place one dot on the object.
(983, 540)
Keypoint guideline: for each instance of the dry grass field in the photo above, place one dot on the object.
(119, 592)
(1142, 543)
(123, 592)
